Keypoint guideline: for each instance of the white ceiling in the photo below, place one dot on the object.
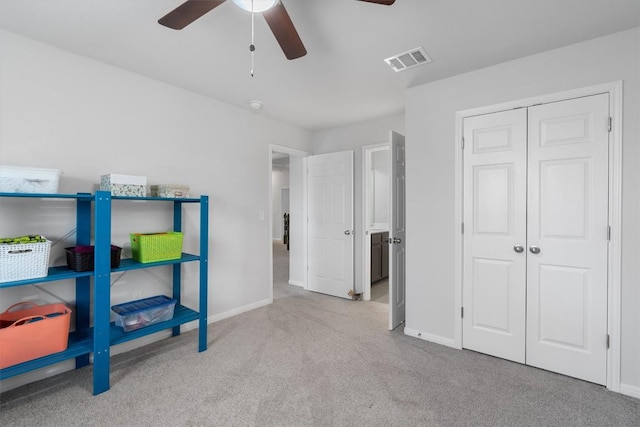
(343, 78)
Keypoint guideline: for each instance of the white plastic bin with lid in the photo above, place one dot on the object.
(21, 179)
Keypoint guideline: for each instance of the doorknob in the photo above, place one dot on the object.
(396, 240)
(348, 232)
(519, 249)
(387, 240)
(534, 249)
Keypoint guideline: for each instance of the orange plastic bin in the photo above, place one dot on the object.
(32, 331)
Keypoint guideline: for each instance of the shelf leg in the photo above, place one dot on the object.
(102, 293)
(204, 272)
(175, 331)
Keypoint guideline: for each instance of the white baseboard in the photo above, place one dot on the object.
(296, 283)
(630, 390)
(239, 310)
(449, 342)
(69, 365)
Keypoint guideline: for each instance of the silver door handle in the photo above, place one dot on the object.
(534, 249)
(387, 240)
(348, 232)
(396, 240)
(519, 249)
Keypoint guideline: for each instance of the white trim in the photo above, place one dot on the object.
(305, 227)
(269, 216)
(615, 244)
(614, 89)
(458, 217)
(630, 390)
(238, 310)
(430, 337)
(296, 283)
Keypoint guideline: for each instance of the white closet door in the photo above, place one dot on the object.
(567, 237)
(495, 234)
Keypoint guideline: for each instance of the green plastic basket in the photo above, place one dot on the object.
(154, 247)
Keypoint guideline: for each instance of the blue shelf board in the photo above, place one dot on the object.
(79, 345)
(55, 273)
(90, 196)
(87, 196)
(64, 272)
(159, 199)
(131, 264)
(181, 314)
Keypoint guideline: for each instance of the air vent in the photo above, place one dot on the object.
(408, 59)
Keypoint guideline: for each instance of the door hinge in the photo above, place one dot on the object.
(610, 123)
(608, 340)
(462, 143)
(609, 233)
(462, 312)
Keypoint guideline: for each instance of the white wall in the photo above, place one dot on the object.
(279, 180)
(354, 137)
(430, 118)
(59, 110)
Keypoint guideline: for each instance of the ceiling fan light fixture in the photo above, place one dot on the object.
(258, 5)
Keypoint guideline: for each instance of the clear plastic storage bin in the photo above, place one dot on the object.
(144, 312)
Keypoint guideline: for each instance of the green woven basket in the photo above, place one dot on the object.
(154, 247)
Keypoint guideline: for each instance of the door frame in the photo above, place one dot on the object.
(367, 152)
(614, 89)
(269, 217)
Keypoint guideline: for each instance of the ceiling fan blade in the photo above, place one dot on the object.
(285, 33)
(384, 2)
(188, 12)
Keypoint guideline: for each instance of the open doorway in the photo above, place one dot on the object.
(280, 215)
(376, 202)
(287, 208)
(384, 225)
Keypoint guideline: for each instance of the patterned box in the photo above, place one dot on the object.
(124, 185)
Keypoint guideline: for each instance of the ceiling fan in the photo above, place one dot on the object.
(273, 11)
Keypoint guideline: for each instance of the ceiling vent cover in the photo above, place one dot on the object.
(409, 59)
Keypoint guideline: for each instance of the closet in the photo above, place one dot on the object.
(535, 238)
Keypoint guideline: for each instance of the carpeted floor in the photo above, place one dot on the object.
(314, 360)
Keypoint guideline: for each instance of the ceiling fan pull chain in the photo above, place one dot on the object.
(252, 47)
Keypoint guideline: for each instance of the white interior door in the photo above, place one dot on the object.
(330, 223)
(397, 232)
(495, 185)
(567, 230)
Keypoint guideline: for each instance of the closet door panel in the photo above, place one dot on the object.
(495, 222)
(567, 237)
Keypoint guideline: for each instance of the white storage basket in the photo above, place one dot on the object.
(24, 261)
(18, 179)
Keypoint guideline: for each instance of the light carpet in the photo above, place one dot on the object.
(314, 360)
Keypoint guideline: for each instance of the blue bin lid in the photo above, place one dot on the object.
(142, 304)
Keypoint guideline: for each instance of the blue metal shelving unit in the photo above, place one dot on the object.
(98, 339)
